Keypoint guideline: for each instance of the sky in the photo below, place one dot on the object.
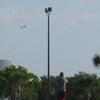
(74, 35)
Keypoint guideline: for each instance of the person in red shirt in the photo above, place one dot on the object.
(62, 86)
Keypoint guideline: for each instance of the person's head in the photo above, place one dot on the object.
(61, 74)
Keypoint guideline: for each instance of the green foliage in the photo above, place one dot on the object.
(96, 60)
(81, 86)
(18, 83)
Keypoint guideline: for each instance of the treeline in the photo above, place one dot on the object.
(16, 83)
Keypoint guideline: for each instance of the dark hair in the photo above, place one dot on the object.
(61, 73)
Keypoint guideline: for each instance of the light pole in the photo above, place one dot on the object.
(48, 12)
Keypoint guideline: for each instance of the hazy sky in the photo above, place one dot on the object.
(74, 34)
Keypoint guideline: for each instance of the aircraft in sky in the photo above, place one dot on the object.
(24, 26)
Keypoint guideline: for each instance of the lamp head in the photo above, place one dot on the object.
(48, 10)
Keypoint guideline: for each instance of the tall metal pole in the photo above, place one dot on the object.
(48, 57)
(48, 12)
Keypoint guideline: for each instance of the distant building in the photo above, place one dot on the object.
(4, 63)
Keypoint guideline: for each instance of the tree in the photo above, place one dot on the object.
(44, 86)
(16, 83)
(96, 60)
(81, 86)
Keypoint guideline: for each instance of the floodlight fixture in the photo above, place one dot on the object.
(48, 10)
